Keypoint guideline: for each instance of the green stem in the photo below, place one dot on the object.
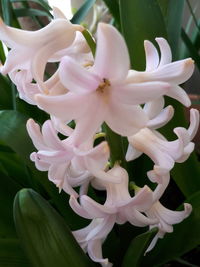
(117, 147)
(90, 41)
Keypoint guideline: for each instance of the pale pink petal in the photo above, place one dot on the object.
(95, 209)
(54, 156)
(152, 244)
(152, 57)
(142, 200)
(57, 174)
(194, 123)
(132, 153)
(173, 217)
(154, 107)
(166, 55)
(102, 229)
(176, 72)
(138, 219)
(186, 153)
(95, 253)
(163, 118)
(67, 107)
(76, 78)
(78, 208)
(139, 93)
(125, 119)
(35, 134)
(179, 94)
(111, 59)
(40, 165)
(50, 136)
(58, 14)
(93, 115)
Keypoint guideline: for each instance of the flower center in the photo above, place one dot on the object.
(103, 85)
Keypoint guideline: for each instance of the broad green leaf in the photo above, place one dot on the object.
(44, 234)
(8, 190)
(30, 12)
(173, 14)
(11, 254)
(185, 237)
(6, 93)
(137, 248)
(15, 168)
(113, 6)
(82, 12)
(191, 48)
(140, 21)
(13, 134)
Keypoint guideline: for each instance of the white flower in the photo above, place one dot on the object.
(165, 153)
(162, 69)
(101, 92)
(30, 50)
(92, 237)
(118, 202)
(68, 166)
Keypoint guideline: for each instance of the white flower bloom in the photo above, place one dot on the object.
(92, 237)
(167, 218)
(30, 50)
(103, 87)
(162, 69)
(165, 153)
(118, 202)
(67, 165)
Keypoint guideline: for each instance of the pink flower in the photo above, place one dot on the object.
(165, 153)
(101, 93)
(162, 69)
(67, 165)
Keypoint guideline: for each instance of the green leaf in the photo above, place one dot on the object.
(82, 12)
(90, 41)
(173, 13)
(185, 237)
(11, 254)
(8, 190)
(30, 12)
(44, 234)
(141, 20)
(13, 133)
(113, 6)
(6, 93)
(2, 54)
(6, 11)
(42, 3)
(137, 248)
(191, 48)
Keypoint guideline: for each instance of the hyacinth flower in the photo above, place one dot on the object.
(158, 116)
(165, 153)
(162, 69)
(91, 238)
(30, 51)
(27, 89)
(67, 165)
(118, 202)
(103, 87)
(119, 207)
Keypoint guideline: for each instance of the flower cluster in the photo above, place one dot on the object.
(91, 91)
